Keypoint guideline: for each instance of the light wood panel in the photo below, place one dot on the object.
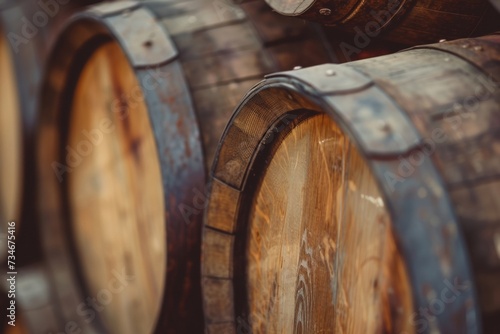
(116, 197)
(321, 254)
(10, 144)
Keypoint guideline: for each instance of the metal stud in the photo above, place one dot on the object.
(325, 11)
(330, 73)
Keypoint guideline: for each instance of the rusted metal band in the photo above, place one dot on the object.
(483, 52)
(380, 125)
(328, 78)
(144, 40)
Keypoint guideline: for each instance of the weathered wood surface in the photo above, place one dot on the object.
(425, 124)
(406, 21)
(192, 62)
(115, 194)
(322, 261)
(225, 49)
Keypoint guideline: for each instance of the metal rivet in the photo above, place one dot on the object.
(466, 45)
(442, 40)
(297, 68)
(478, 48)
(330, 73)
(325, 11)
(290, 97)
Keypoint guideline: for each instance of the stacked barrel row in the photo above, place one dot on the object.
(173, 192)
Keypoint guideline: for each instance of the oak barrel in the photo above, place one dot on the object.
(406, 21)
(27, 31)
(135, 98)
(361, 198)
(10, 144)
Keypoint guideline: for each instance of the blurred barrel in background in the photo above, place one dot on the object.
(405, 21)
(10, 144)
(496, 4)
(28, 29)
(135, 98)
(361, 198)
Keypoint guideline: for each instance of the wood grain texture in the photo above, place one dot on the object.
(225, 49)
(116, 196)
(10, 145)
(405, 21)
(221, 54)
(442, 199)
(322, 261)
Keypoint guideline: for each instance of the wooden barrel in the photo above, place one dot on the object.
(135, 98)
(10, 145)
(406, 21)
(361, 198)
(27, 31)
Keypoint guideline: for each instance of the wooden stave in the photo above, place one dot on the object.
(190, 168)
(411, 22)
(311, 92)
